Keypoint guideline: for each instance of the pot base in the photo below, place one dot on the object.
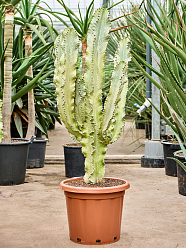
(98, 241)
(152, 162)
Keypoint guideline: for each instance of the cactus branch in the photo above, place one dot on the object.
(80, 96)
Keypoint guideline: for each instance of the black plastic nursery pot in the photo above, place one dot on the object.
(15, 134)
(36, 155)
(152, 162)
(38, 133)
(13, 162)
(138, 124)
(74, 160)
(170, 164)
(181, 174)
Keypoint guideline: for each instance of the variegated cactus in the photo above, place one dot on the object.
(80, 97)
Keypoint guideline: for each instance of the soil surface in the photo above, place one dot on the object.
(73, 144)
(18, 141)
(106, 183)
(180, 154)
(173, 141)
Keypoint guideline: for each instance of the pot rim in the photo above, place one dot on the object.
(88, 190)
(176, 155)
(26, 141)
(40, 140)
(165, 142)
(71, 145)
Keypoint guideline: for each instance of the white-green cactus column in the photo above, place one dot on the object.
(80, 97)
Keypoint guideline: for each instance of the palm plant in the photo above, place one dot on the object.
(8, 7)
(81, 24)
(19, 67)
(29, 18)
(170, 34)
(44, 92)
(43, 89)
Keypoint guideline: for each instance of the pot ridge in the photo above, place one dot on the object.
(89, 190)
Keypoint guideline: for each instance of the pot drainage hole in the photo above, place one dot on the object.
(78, 240)
(98, 241)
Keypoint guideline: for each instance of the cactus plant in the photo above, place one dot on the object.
(80, 97)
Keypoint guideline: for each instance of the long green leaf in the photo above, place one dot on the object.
(85, 26)
(45, 89)
(33, 28)
(72, 19)
(34, 9)
(148, 65)
(113, 5)
(25, 89)
(15, 2)
(18, 123)
(28, 62)
(148, 76)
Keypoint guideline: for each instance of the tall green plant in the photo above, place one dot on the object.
(28, 21)
(172, 57)
(9, 8)
(171, 35)
(20, 65)
(80, 98)
(44, 88)
(8, 76)
(81, 24)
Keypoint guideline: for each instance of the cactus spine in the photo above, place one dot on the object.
(80, 97)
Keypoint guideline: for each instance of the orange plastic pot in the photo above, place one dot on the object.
(94, 214)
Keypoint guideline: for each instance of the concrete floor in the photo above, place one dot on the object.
(33, 214)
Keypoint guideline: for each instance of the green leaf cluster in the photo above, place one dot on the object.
(80, 24)
(42, 62)
(167, 37)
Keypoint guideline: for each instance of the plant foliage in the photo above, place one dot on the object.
(80, 97)
(167, 37)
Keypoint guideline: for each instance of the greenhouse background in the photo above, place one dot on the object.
(73, 5)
